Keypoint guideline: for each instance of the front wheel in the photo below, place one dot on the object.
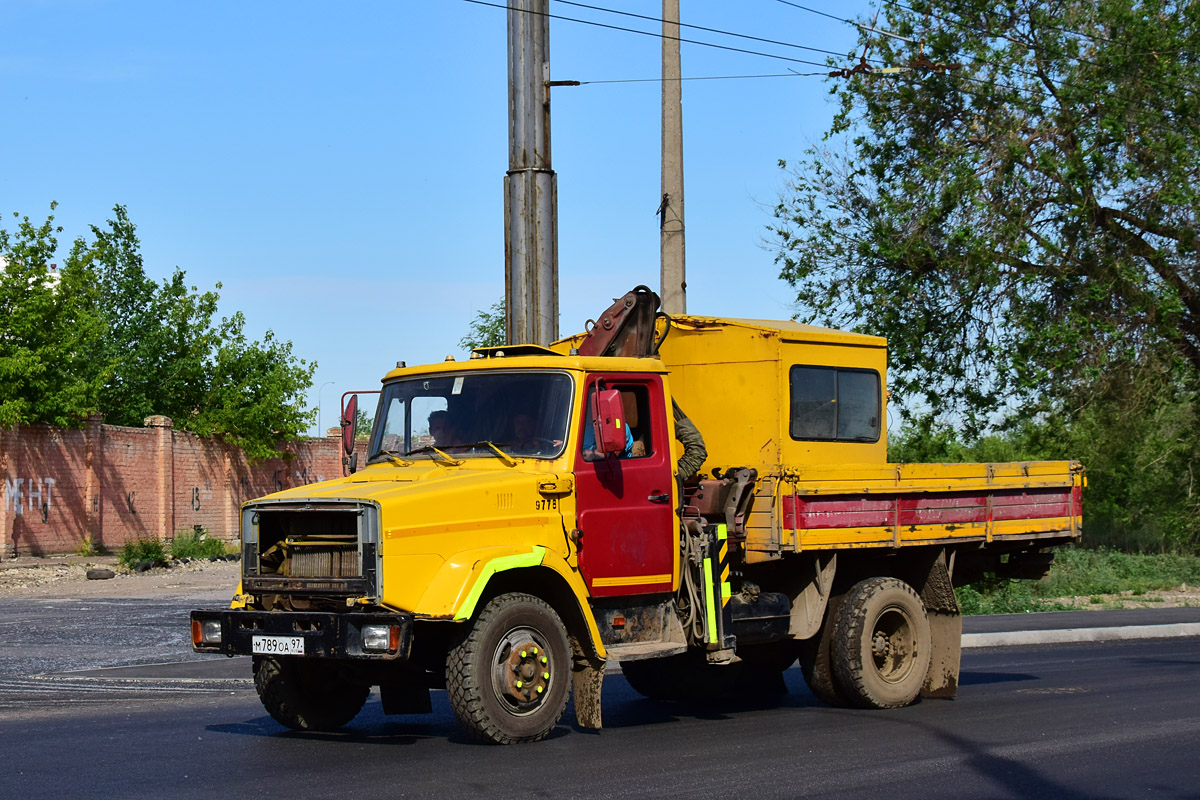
(305, 695)
(508, 676)
(882, 644)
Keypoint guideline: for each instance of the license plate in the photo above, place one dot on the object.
(277, 645)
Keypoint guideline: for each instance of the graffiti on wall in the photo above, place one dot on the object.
(34, 495)
(201, 497)
(303, 475)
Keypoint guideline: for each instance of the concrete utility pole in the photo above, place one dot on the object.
(674, 279)
(531, 187)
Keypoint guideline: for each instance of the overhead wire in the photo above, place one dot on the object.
(841, 19)
(703, 28)
(711, 78)
(1033, 48)
(624, 29)
(713, 45)
(680, 39)
(982, 63)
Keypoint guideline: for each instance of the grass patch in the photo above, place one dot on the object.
(134, 553)
(995, 596)
(1078, 572)
(196, 544)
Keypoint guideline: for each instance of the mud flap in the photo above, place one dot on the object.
(946, 632)
(588, 678)
(945, 628)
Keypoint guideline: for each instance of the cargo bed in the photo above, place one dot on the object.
(896, 505)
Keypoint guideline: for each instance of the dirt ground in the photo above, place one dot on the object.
(67, 577)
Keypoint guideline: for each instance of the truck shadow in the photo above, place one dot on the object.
(623, 708)
(983, 678)
(372, 726)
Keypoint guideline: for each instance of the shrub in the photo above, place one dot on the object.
(196, 544)
(134, 553)
(87, 549)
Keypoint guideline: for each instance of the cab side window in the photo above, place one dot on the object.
(835, 405)
(635, 401)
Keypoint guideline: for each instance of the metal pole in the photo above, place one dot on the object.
(673, 277)
(530, 188)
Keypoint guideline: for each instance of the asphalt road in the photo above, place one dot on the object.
(1106, 720)
(1097, 720)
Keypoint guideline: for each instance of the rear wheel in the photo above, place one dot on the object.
(306, 695)
(882, 644)
(508, 677)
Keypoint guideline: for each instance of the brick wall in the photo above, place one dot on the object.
(112, 484)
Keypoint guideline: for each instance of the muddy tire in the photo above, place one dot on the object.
(306, 696)
(816, 661)
(882, 645)
(509, 675)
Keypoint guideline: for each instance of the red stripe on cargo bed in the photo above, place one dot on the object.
(927, 508)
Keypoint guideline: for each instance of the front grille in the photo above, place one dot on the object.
(323, 556)
(329, 549)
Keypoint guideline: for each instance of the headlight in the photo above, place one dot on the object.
(380, 637)
(206, 632)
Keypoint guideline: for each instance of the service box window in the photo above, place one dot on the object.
(835, 405)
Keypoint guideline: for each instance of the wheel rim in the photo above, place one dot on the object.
(893, 644)
(522, 670)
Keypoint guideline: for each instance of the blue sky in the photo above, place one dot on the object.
(338, 168)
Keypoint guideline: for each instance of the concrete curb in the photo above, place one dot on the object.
(1065, 635)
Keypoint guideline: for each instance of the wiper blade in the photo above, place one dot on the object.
(505, 457)
(442, 458)
(389, 455)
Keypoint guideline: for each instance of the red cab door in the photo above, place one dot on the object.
(625, 502)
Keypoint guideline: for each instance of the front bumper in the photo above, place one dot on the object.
(325, 635)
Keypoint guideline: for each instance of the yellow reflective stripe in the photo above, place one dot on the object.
(708, 600)
(632, 580)
(500, 564)
(722, 532)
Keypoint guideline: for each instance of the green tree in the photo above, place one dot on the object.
(487, 329)
(362, 427)
(159, 338)
(1023, 229)
(253, 392)
(107, 337)
(49, 323)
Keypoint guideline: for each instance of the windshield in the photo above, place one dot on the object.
(522, 413)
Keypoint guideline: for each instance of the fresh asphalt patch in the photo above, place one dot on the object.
(998, 630)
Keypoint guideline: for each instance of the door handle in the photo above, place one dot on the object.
(659, 498)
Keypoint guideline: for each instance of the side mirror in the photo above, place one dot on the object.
(608, 421)
(349, 424)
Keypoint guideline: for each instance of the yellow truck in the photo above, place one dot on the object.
(522, 518)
